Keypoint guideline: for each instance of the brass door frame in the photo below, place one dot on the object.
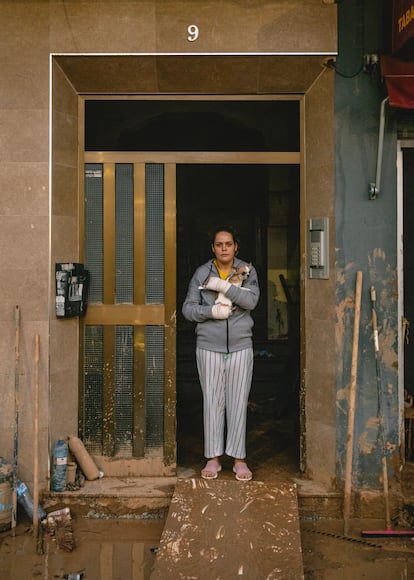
(141, 314)
(138, 314)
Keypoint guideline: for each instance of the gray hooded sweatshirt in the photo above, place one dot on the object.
(232, 334)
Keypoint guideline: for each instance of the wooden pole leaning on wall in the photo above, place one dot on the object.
(351, 406)
(36, 439)
(16, 416)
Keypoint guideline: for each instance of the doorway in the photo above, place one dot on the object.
(255, 190)
(407, 152)
(261, 202)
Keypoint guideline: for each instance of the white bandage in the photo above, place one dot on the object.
(217, 284)
(220, 311)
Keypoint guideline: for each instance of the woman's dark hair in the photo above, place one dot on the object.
(230, 230)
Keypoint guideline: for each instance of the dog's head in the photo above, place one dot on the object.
(241, 274)
(244, 271)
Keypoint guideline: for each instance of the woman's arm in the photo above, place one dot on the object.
(198, 305)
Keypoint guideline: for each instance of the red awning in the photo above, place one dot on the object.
(399, 77)
(403, 28)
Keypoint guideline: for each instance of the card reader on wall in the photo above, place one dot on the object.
(318, 248)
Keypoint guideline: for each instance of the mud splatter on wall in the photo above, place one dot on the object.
(377, 380)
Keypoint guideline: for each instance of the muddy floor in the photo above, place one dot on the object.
(125, 549)
(104, 550)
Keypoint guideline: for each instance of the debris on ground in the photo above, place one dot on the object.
(72, 575)
(404, 517)
(59, 527)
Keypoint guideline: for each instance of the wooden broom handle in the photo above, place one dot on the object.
(352, 397)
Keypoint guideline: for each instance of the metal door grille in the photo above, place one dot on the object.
(124, 390)
(94, 201)
(154, 385)
(93, 388)
(124, 233)
(154, 228)
(124, 368)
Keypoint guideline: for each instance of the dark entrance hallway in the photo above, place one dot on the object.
(408, 242)
(262, 203)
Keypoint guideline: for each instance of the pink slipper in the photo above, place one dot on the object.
(211, 469)
(242, 472)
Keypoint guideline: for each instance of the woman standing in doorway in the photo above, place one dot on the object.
(224, 350)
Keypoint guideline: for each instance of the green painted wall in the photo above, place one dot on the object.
(366, 238)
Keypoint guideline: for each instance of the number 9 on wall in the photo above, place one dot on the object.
(193, 32)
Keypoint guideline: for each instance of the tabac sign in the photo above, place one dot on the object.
(403, 28)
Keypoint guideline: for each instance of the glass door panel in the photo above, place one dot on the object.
(127, 381)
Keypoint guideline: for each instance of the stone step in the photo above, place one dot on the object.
(117, 497)
(150, 498)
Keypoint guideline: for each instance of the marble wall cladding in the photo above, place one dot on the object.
(24, 80)
(27, 374)
(24, 219)
(230, 26)
(24, 246)
(65, 139)
(63, 402)
(64, 95)
(24, 137)
(65, 191)
(26, 287)
(212, 74)
(24, 64)
(64, 377)
(319, 338)
(64, 334)
(90, 27)
(20, 379)
(64, 239)
(65, 129)
(24, 189)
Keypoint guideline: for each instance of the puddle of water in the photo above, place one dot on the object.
(105, 550)
(123, 549)
(328, 555)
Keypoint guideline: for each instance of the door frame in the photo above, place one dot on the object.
(319, 378)
(401, 145)
(99, 315)
(173, 158)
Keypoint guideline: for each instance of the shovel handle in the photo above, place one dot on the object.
(374, 319)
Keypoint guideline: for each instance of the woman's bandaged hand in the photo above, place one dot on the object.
(217, 284)
(221, 311)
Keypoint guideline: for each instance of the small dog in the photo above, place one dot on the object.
(238, 276)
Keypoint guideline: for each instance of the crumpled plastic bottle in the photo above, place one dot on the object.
(26, 501)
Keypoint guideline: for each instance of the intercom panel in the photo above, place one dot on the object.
(318, 248)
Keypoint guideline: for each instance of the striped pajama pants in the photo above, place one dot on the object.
(225, 381)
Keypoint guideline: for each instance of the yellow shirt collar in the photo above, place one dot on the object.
(223, 275)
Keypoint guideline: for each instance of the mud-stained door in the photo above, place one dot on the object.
(127, 412)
